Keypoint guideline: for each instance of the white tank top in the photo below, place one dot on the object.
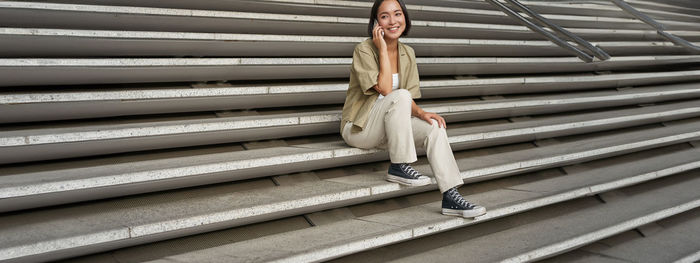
(394, 84)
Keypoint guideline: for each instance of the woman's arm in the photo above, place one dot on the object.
(384, 78)
(427, 116)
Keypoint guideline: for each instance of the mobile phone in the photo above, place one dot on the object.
(377, 23)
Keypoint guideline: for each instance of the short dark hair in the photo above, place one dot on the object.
(373, 16)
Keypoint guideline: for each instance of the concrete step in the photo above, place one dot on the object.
(70, 16)
(45, 104)
(420, 11)
(45, 71)
(556, 233)
(682, 229)
(324, 8)
(645, 6)
(524, 242)
(603, 8)
(103, 17)
(361, 10)
(35, 185)
(147, 218)
(40, 42)
(49, 141)
(581, 18)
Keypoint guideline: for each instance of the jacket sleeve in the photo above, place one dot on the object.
(365, 70)
(413, 83)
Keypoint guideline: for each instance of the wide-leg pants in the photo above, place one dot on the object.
(391, 127)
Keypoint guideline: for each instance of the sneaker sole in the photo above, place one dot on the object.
(408, 182)
(464, 213)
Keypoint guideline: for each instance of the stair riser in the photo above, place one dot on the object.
(51, 46)
(144, 72)
(43, 110)
(49, 151)
(110, 21)
(173, 180)
(441, 227)
(25, 202)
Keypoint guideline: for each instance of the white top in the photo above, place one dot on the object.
(394, 84)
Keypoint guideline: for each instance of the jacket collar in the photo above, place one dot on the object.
(404, 63)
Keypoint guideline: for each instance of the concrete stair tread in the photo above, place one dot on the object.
(23, 187)
(609, 9)
(144, 70)
(600, 9)
(333, 8)
(159, 212)
(11, 135)
(281, 21)
(206, 208)
(536, 240)
(242, 158)
(159, 62)
(102, 43)
(480, 11)
(348, 7)
(143, 18)
(25, 106)
(409, 223)
(91, 138)
(352, 8)
(309, 11)
(661, 9)
(649, 248)
(358, 9)
(145, 93)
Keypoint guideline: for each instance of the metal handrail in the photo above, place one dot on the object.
(582, 55)
(660, 29)
(599, 53)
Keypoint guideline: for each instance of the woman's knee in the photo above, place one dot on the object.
(401, 98)
(402, 94)
(399, 94)
(437, 131)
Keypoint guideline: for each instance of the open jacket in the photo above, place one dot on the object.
(363, 76)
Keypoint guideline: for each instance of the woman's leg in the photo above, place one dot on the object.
(434, 140)
(442, 161)
(389, 122)
(389, 126)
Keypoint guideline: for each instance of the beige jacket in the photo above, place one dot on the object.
(363, 76)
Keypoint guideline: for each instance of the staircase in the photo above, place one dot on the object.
(207, 131)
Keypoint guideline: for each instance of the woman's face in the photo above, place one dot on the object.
(391, 19)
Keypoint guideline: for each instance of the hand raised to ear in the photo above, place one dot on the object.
(378, 37)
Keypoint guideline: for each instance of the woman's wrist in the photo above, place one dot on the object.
(419, 113)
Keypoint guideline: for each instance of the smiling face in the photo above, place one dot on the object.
(391, 18)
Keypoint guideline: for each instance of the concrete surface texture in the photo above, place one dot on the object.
(207, 131)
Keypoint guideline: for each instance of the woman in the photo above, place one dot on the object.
(379, 110)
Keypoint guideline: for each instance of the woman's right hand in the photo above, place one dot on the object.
(377, 37)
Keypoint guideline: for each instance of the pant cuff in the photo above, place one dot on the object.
(444, 189)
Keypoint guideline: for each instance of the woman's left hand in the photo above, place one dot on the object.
(429, 116)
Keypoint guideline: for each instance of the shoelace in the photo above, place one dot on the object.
(407, 169)
(460, 200)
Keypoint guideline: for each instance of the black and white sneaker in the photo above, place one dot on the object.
(403, 173)
(453, 204)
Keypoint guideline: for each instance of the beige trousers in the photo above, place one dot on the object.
(391, 127)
